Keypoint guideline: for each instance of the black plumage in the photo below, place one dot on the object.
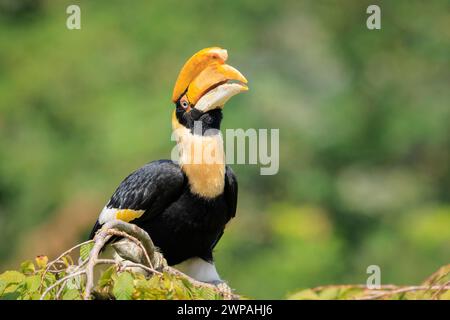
(181, 224)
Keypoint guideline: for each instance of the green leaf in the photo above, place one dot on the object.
(27, 267)
(307, 294)
(67, 260)
(167, 281)
(123, 287)
(445, 295)
(186, 283)
(85, 250)
(12, 277)
(10, 296)
(71, 294)
(350, 293)
(2, 287)
(180, 290)
(106, 276)
(35, 296)
(14, 290)
(49, 279)
(329, 293)
(74, 282)
(206, 293)
(33, 283)
(155, 281)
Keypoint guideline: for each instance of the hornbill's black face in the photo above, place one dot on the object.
(204, 85)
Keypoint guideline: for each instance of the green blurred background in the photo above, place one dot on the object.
(363, 117)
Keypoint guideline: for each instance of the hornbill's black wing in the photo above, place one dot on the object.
(147, 190)
(230, 192)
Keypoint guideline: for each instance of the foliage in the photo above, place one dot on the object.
(436, 287)
(32, 280)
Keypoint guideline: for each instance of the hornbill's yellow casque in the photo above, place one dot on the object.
(185, 205)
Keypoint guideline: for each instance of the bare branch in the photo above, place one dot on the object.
(382, 294)
(154, 261)
(139, 265)
(101, 238)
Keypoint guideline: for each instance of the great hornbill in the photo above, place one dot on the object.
(185, 205)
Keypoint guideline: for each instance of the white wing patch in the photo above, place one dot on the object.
(199, 269)
(126, 215)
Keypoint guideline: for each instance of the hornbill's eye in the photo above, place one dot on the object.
(184, 104)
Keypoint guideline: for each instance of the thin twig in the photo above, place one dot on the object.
(106, 261)
(58, 294)
(65, 253)
(102, 237)
(356, 286)
(60, 281)
(378, 295)
(436, 295)
(51, 263)
(437, 275)
(139, 265)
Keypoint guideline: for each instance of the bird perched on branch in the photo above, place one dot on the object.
(184, 205)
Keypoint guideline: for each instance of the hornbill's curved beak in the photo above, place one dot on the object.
(206, 82)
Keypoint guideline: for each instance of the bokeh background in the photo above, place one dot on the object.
(363, 116)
